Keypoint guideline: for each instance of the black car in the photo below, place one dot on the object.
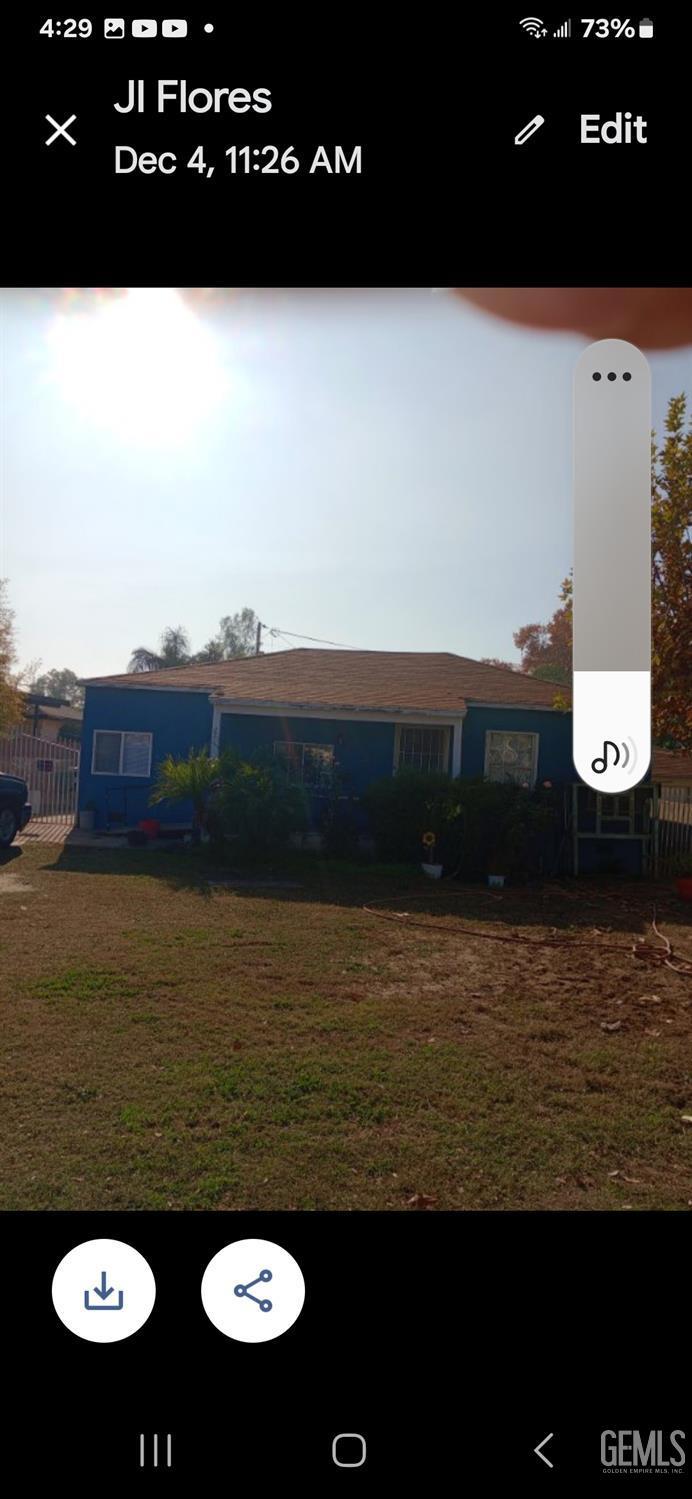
(14, 808)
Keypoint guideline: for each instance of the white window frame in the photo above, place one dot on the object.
(603, 813)
(302, 745)
(141, 734)
(425, 728)
(530, 733)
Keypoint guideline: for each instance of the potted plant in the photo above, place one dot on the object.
(499, 864)
(150, 826)
(87, 817)
(683, 878)
(429, 866)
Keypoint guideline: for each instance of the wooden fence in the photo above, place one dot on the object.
(673, 829)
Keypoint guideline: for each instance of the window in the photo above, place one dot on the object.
(422, 748)
(118, 753)
(309, 765)
(511, 757)
(616, 807)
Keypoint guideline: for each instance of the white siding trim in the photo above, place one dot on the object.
(522, 707)
(215, 730)
(119, 686)
(421, 716)
(457, 732)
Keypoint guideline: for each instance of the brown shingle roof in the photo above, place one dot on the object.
(420, 680)
(65, 714)
(671, 767)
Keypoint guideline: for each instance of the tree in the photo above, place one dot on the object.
(61, 683)
(237, 636)
(238, 633)
(11, 706)
(547, 649)
(212, 651)
(671, 537)
(174, 650)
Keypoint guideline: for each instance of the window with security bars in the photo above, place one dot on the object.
(511, 757)
(422, 748)
(308, 765)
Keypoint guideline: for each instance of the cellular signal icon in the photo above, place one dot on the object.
(564, 30)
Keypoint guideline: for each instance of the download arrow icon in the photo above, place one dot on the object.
(103, 1292)
(539, 1452)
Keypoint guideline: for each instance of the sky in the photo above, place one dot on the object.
(387, 470)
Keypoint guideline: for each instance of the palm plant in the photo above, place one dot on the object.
(174, 650)
(191, 779)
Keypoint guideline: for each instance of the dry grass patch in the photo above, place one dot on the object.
(172, 1045)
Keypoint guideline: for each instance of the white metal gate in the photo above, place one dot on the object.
(50, 769)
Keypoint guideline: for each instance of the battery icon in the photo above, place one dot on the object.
(646, 27)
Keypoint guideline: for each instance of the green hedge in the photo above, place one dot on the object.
(481, 827)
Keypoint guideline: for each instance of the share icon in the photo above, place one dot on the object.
(240, 1290)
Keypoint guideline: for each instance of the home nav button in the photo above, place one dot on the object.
(349, 1450)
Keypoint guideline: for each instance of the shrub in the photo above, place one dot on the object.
(401, 808)
(339, 827)
(254, 804)
(477, 824)
(503, 828)
(191, 779)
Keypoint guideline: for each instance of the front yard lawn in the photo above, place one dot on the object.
(170, 1044)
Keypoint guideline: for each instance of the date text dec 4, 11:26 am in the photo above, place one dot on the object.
(244, 160)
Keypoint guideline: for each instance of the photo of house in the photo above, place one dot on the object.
(311, 911)
(358, 715)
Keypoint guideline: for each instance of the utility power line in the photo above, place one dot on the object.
(315, 639)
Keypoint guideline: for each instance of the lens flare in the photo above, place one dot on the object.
(140, 364)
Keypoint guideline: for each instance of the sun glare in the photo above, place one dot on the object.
(141, 364)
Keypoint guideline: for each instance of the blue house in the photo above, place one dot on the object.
(358, 714)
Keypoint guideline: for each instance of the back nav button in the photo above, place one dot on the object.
(540, 1453)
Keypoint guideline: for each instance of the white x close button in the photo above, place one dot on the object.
(60, 130)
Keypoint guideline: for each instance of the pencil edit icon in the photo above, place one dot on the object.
(529, 130)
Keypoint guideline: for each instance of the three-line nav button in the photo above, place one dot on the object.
(157, 1452)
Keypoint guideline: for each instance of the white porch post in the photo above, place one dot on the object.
(456, 747)
(215, 731)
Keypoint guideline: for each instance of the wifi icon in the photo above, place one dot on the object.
(534, 26)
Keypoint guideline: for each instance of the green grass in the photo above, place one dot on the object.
(172, 1046)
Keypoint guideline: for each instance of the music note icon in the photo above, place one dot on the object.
(600, 763)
